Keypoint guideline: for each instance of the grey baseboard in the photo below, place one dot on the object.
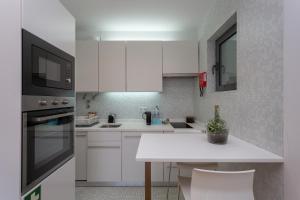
(121, 184)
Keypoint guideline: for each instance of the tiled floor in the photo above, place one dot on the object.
(122, 193)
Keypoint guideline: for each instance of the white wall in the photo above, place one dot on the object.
(10, 101)
(291, 99)
(49, 20)
(253, 112)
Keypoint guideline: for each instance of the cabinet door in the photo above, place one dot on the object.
(60, 185)
(104, 164)
(104, 157)
(86, 66)
(81, 155)
(48, 20)
(180, 57)
(144, 66)
(112, 69)
(133, 171)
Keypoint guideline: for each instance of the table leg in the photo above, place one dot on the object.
(147, 180)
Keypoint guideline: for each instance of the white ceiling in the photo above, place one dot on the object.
(139, 15)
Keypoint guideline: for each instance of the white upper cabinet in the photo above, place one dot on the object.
(86, 66)
(51, 21)
(112, 67)
(118, 66)
(144, 66)
(180, 58)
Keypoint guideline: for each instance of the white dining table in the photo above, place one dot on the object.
(194, 148)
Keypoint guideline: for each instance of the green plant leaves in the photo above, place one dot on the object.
(216, 125)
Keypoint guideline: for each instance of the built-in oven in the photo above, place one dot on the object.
(47, 137)
(46, 70)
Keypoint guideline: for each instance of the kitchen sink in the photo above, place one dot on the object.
(110, 125)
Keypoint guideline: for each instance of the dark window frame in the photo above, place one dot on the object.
(217, 68)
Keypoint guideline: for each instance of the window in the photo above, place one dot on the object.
(225, 68)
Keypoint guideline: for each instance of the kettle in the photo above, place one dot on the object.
(111, 118)
(147, 117)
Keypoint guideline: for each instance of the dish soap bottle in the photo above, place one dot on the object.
(156, 116)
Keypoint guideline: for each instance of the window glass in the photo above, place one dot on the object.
(226, 60)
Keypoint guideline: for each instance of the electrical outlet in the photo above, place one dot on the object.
(143, 109)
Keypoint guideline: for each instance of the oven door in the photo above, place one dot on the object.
(48, 142)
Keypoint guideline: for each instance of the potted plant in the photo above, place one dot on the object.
(217, 133)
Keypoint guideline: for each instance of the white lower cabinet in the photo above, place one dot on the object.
(81, 155)
(104, 157)
(133, 172)
(58, 185)
(110, 157)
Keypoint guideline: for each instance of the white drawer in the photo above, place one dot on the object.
(104, 139)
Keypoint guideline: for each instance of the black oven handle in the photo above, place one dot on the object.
(47, 118)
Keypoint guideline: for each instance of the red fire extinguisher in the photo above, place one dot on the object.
(202, 82)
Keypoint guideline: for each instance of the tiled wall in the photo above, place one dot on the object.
(176, 101)
(254, 112)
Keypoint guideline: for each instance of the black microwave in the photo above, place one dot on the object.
(46, 70)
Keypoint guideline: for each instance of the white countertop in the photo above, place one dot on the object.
(137, 126)
(196, 148)
(129, 126)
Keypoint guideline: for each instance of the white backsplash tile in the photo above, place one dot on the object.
(176, 101)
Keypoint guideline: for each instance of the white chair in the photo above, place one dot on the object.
(188, 167)
(217, 185)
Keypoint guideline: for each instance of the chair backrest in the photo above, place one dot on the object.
(217, 185)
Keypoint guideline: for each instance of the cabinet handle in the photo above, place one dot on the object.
(43, 119)
(80, 134)
(105, 147)
(132, 136)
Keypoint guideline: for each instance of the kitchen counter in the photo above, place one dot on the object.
(138, 126)
(195, 148)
